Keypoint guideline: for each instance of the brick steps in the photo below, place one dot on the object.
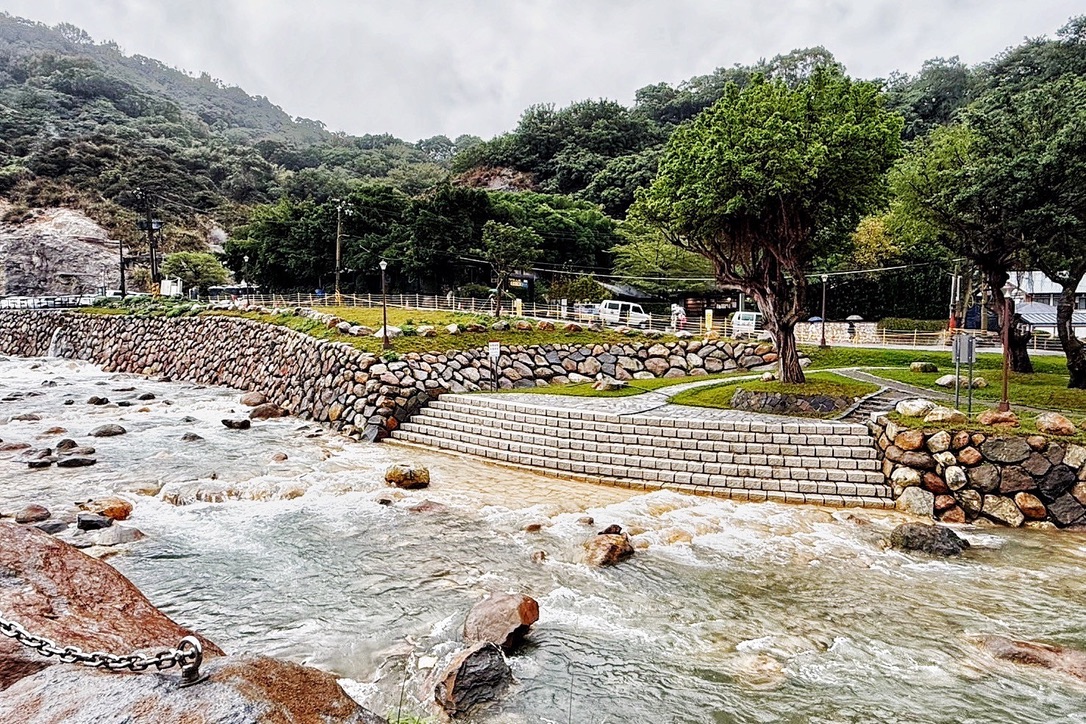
(800, 462)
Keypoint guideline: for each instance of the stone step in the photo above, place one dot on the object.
(643, 425)
(674, 448)
(739, 488)
(618, 463)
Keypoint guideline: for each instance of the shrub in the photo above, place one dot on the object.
(902, 324)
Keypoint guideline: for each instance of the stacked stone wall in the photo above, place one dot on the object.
(359, 393)
(964, 476)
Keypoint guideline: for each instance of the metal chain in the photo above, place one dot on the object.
(188, 655)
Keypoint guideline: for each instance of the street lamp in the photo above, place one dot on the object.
(245, 276)
(385, 344)
(825, 278)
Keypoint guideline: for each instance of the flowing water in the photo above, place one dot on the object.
(730, 612)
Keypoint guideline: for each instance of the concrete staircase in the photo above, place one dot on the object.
(748, 458)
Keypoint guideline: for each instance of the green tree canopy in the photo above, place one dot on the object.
(770, 179)
(196, 270)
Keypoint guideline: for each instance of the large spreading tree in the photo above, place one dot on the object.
(772, 178)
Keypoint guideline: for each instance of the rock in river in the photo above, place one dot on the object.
(237, 424)
(108, 431)
(92, 521)
(407, 476)
(607, 549)
(501, 618)
(476, 676)
(32, 514)
(253, 399)
(933, 539)
(267, 411)
(75, 462)
(110, 506)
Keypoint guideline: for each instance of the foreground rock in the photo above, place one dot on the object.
(41, 576)
(410, 477)
(475, 677)
(607, 549)
(502, 619)
(243, 424)
(32, 514)
(238, 689)
(57, 592)
(253, 399)
(932, 539)
(1057, 658)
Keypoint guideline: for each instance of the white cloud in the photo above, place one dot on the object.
(416, 68)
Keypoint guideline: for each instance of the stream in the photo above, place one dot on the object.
(729, 612)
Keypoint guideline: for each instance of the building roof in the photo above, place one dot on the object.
(1035, 282)
(1044, 315)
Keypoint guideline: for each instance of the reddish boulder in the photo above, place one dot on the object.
(1057, 658)
(934, 484)
(253, 399)
(501, 618)
(1031, 506)
(952, 515)
(109, 507)
(970, 456)
(238, 689)
(56, 591)
(32, 514)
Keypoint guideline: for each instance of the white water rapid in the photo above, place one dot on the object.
(729, 612)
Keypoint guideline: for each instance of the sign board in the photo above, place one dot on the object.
(708, 320)
(965, 349)
(495, 350)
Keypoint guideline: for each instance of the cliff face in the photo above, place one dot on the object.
(55, 251)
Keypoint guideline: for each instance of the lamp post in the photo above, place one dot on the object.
(385, 344)
(825, 278)
(245, 276)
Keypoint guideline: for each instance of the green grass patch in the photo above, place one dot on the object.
(818, 383)
(580, 389)
(104, 311)
(1043, 390)
(872, 357)
(443, 342)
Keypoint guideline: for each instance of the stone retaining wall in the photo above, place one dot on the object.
(964, 476)
(362, 395)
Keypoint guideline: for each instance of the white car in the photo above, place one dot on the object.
(627, 313)
(746, 324)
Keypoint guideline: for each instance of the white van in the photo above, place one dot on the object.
(746, 324)
(627, 313)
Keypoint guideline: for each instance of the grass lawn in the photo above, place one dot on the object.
(443, 342)
(1045, 390)
(818, 383)
(633, 387)
(871, 357)
(1028, 426)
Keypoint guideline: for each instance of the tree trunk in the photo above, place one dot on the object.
(498, 300)
(1019, 334)
(781, 325)
(785, 338)
(1072, 345)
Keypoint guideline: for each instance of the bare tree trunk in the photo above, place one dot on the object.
(1019, 334)
(1072, 345)
(781, 324)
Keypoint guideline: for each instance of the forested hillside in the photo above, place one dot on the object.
(84, 125)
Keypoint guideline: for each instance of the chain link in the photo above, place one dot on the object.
(188, 654)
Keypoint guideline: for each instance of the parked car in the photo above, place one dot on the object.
(746, 324)
(627, 313)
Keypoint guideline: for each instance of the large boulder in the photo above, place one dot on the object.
(935, 540)
(914, 408)
(242, 424)
(998, 418)
(501, 618)
(408, 476)
(57, 592)
(40, 576)
(32, 514)
(607, 549)
(238, 689)
(477, 676)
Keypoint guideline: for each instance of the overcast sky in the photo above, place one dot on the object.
(416, 68)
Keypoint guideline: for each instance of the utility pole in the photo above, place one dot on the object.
(151, 225)
(124, 292)
(339, 246)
